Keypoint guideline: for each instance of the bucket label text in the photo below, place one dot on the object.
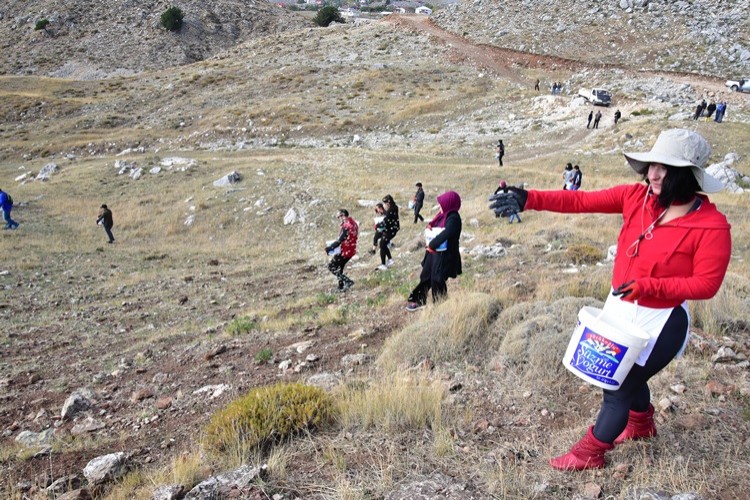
(598, 357)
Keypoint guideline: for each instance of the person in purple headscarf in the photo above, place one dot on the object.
(442, 259)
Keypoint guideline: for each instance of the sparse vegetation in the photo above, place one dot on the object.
(41, 24)
(171, 19)
(327, 15)
(268, 415)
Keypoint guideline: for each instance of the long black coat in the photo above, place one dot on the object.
(450, 260)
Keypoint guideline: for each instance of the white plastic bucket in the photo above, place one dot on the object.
(603, 348)
(335, 251)
(431, 233)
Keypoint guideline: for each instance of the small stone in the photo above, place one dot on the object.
(665, 404)
(691, 422)
(164, 402)
(141, 394)
(591, 490)
(678, 388)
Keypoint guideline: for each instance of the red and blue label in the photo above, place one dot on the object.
(598, 357)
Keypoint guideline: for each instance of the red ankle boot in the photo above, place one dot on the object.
(640, 425)
(588, 453)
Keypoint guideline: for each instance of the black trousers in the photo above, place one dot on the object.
(417, 208)
(431, 278)
(634, 393)
(385, 252)
(336, 266)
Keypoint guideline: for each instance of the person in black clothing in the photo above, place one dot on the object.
(388, 230)
(618, 115)
(418, 202)
(699, 109)
(442, 259)
(710, 110)
(105, 219)
(536, 85)
(577, 178)
(500, 152)
(588, 120)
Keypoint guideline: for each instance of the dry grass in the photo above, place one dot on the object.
(394, 403)
(448, 331)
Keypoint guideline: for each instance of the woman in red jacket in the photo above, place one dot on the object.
(674, 246)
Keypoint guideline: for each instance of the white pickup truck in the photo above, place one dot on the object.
(597, 97)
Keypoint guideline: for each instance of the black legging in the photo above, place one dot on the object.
(633, 393)
(385, 252)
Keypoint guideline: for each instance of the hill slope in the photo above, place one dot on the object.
(90, 39)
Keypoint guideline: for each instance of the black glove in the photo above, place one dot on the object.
(329, 249)
(504, 204)
(522, 195)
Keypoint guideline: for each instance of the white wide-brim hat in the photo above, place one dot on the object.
(678, 147)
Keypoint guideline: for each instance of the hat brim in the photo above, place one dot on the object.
(640, 162)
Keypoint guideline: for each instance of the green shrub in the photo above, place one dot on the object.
(171, 19)
(584, 254)
(41, 24)
(242, 325)
(264, 355)
(267, 415)
(328, 15)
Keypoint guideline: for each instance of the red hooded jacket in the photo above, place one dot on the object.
(685, 259)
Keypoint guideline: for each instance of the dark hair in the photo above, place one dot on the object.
(568, 167)
(344, 212)
(391, 202)
(577, 167)
(418, 184)
(103, 206)
(679, 185)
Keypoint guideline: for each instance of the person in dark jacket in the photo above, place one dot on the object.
(618, 115)
(710, 110)
(388, 229)
(500, 152)
(418, 202)
(442, 259)
(105, 219)
(6, 205)
(589, 118)
(347, 242)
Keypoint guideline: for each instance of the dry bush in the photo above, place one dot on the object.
(396, 402)
(267, 415)
(454, 329)
(534, 337)
(727, 312)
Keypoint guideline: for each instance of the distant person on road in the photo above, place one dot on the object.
(418, 203)
(347, 241)
(618, 115)
(500, 152)
(674, 246)
(536, 85)
(597, 117)
(442, 259)
(721, 109)
(6, 204)
(106, 221)
(699, 109)
(590, 117)
(710, 110)
(388, 230)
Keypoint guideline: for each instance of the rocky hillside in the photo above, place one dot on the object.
(89, 39)
(709, 37)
